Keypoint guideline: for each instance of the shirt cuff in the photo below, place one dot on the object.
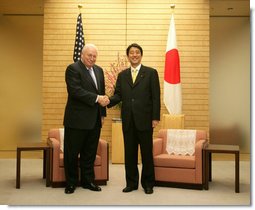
(97, 98)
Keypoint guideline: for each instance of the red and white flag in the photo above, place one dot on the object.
(172, 80)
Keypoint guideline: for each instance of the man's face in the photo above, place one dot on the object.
(134, 56)
(89, 57)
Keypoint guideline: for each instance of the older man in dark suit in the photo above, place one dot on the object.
(84, 114)
(139, 90)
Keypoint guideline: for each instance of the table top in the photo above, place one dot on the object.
(222, 148)
(32, 145)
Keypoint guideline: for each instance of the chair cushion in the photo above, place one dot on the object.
(98, 161)
(174, 161)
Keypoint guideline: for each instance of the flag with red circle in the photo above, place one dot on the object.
(172, 78)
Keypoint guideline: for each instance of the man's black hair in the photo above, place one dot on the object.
(136, 46)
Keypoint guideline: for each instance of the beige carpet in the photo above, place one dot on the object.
(33, 191)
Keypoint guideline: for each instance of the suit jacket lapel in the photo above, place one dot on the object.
(87, 74)
(129, 77)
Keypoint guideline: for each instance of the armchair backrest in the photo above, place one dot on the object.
(200, 135)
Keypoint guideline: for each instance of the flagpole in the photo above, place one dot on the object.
(79, 37)
(172, 83)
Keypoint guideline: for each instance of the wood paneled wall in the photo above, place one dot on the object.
(114, 24)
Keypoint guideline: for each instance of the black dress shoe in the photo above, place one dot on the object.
(91, 186)
(129, 189)
(69, 189)
(148, 190)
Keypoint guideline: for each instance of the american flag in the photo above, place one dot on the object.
(79, 40)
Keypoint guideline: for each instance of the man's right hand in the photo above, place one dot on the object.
(103, 100)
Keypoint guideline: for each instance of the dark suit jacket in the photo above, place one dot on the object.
(142, 99)
(81, 111)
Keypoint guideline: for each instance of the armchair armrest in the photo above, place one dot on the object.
(103, 150)
(55, 145)
(199, 157)
(102, 147)
(54, 142)
(157, 146)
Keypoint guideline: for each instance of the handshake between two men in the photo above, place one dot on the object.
(103, 100)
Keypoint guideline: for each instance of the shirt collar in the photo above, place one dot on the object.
(89, 68)
(137, 68)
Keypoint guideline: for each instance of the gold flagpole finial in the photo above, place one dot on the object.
(79, 6)
(172, 6)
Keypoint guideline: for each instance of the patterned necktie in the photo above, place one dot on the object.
(92, 74)
(134, 74)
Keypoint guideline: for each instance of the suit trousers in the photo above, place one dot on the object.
(132, 138)
(84, 143)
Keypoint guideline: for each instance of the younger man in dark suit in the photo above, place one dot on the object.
(139, 90)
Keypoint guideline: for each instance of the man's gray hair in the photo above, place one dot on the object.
(89, 45)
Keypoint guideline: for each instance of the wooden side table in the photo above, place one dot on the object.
(117, 141)
(218, 148)
(46, 159)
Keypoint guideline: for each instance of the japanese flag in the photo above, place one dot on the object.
(172, 80)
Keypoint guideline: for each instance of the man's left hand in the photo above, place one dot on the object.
(155, 123)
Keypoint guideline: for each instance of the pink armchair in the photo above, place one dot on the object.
(57, 177)
(179, 170)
